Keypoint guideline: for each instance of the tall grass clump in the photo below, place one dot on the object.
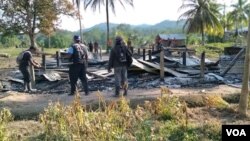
(5, 118)
(166, 118)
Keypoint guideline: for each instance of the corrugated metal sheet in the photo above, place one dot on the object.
(172, 36)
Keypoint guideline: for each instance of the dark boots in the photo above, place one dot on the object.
(125, 88)
(117, 91)
(125, 92)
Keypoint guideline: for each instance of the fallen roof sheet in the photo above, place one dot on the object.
(175, 73)
(142, 66)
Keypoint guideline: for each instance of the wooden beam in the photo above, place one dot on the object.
(138, 64)
(168, 70)
(162, 65)
(150, 55)
(144, 54)
(57, 59)
(231, 64)
(184, 58)
(202, 65)
(32, 75)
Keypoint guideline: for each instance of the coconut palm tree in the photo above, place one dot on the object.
(201, 16)
(77, 2)
(239, 14)
(108, 4)
(244, 97)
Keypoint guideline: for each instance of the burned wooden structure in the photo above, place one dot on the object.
(149, 69)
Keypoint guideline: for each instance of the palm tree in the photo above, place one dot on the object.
(201, 16)
(108, 3)
(244, 97)
(239, 14)
(78, 4)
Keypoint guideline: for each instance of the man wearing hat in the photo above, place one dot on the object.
(78, 55)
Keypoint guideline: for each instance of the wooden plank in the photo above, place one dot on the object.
(101, 74)
(15, 80)
(143, 67)
(175, 73)
(189, 71)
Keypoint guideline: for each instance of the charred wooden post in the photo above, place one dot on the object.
(202, 67)
(57, 59)
(144, 54)
(162, 65)
(44, 61)
(32, 75)
(150, 55)
(184, 58)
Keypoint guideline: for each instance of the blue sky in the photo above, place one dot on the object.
(143, 12)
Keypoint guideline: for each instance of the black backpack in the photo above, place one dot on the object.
(129, 58)
(122, 55)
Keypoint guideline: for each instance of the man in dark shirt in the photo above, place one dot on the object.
(90, 46)
(118, 61)
(78, 55)
(27, 60)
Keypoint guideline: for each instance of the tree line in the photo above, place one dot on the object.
(38, 20)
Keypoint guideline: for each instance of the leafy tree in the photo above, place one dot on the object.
(32, 16)
(9, 41)
(108, 3)
(201, 17)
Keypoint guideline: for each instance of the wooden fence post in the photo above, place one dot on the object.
(44, 61)
(184, 58)
(202, 67)
(57, 59)
(162, 65)
(144, 54)
(150, 55)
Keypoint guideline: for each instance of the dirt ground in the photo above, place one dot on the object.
(25, 105)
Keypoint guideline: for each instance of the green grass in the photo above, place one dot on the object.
(13, 52)
(213, 50)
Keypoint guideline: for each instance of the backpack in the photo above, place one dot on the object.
(78, 53)
(122, 55)
(19, 58)
(129, 58)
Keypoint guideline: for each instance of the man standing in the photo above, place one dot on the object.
(78, 55)
(96, 47)
(118, 61)
(90, 46)
(26, 59)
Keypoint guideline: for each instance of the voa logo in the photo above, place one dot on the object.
(236, 132)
